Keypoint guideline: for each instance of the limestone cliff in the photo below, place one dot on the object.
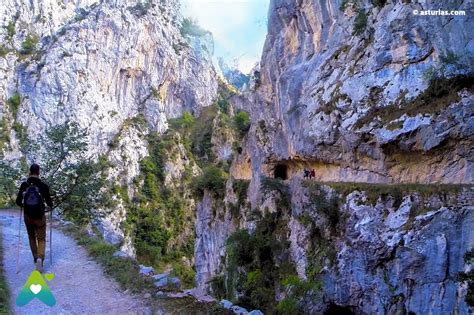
(378, 101)
(101, 64)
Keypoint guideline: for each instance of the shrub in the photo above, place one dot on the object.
(184, 273)
(269, 184)
(325, 204)
(29, 45)
(213, 179)
(190, 27)
(360, 23)
(10, 29)
(256, 262)
(240, 248)
(217, 286)
(4, 51)
(140, 9)
(343, 5)
(223, 105)
(186, 121)
(242, 123)
(240, 187)
(468, 278)
(14, 103)
(288, 306)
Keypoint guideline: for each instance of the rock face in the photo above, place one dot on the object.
(391, 265)
(365, 107)
(373, 94)
(364, 92)
(103, 65)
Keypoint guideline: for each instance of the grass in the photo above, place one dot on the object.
(4, 290)
(125, 271)
(374, 191)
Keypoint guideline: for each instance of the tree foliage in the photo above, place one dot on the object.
(74, 179)
(9, 179)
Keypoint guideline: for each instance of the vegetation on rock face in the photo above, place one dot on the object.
(257, 262)
(327, 204)
(269, 185)
(10, 29)
(29, 45)
(3, 51)
(212, 179)
(14, 103)
(468, 277)
(441, 93)
(4, 134)
(190, 27)
(242, 122)
(360, 23)
(160, 216)
(140, 9)
(157, 217)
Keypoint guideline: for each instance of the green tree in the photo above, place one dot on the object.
(9, 180)
(75, 180)
(242, 123)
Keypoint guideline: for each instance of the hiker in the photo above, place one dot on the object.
(32, 196)
(305, 173)
(313, 174)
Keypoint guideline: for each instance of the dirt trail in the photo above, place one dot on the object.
(79, 286)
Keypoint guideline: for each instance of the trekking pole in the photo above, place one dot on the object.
(51, 238)
(19, 243)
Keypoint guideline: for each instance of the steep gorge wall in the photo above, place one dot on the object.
(106, 66)
(366, 104)
(377, 106)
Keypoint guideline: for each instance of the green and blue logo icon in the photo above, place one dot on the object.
(36, 288)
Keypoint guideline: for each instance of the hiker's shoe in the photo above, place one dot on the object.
(39, 265)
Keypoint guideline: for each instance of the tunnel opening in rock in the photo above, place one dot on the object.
(281, 171)
(335, 309)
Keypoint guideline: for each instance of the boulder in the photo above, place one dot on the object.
(239, 310)
(226, 304)
(146, 271)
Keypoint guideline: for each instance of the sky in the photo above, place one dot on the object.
(239, 28)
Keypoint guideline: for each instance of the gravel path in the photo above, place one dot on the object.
(79, 286)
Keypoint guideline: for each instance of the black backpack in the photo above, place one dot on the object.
(33, 202)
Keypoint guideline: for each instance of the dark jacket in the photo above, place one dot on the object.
(43, 188)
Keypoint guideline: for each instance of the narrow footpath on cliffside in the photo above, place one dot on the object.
(79, 286)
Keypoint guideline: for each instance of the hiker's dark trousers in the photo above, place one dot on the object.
(37, 236)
